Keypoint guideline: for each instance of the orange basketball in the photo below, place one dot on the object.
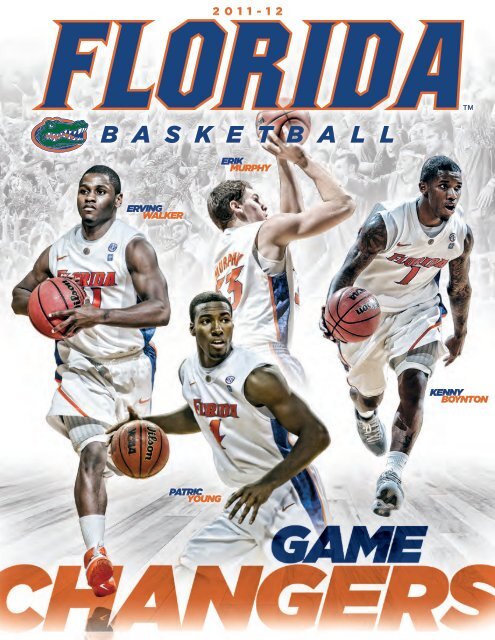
(54, 294)
(285, 122)
(139, 449)
(352, 314)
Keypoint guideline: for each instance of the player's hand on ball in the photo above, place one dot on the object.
(291, 152)
(324, 329)
(454, 344)
(251, 497)
(132, 416)
(83, 317)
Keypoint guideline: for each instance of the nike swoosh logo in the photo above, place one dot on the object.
(103, 587)
(144, 401)
(62, 257)
(407, 244)
(288, 506)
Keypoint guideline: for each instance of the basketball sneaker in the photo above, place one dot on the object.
(372, 433)
(389, 494)
(99, 572)
(100, 621)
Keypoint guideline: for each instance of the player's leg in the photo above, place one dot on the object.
(89, 490)
(413, 370)
(222, 542)
(92, 389)
(365, 363)
(88, 437)
(301, 502)
(130, 383)
(83, 408)
(210, 561)
(231, 544)
(366, 405)
(405, 429)
(369, 426)
(409, 415)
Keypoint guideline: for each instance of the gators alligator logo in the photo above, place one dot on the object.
(59, 135)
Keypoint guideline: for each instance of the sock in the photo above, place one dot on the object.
(396, 461)
(366, 414)
(93, 530)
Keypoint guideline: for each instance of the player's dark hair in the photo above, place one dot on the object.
(435, 164)
(220, 198)
(203, 298)
(110, 173)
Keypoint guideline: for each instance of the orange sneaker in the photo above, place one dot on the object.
(99, 572)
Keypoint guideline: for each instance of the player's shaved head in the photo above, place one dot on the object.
(110, 173)
(205, 297)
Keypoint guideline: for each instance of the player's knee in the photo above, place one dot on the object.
(412, 387)
(93, 458)
(368, 402)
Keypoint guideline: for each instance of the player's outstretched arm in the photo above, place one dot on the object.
(22, 291)
(459, 290)
(150, 285)
(291, 200)
(179, 422)
(337, 204)
(267, 387)
(372, 238)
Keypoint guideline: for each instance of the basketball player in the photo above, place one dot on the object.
(253, 266)
(398, 256)
(246, 411)
(109, 361)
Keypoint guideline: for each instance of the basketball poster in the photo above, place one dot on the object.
(385, 149)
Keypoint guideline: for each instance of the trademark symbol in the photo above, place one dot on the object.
(468, 107)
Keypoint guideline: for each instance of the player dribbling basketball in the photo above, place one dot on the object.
(398, 256)
(109, 362)
(245, 410)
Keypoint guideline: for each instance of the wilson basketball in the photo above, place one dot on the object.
(352, 314)
(282, 121)
(139, 449)
(54, 294)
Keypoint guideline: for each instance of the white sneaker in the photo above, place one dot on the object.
(389, 494)
(372, 433)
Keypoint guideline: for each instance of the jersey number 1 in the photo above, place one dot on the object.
(412, 274)
(96, 301)
(215, 429)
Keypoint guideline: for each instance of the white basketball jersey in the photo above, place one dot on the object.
(100, 267)
(407, 272)
(246, 442)
(262, 303)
